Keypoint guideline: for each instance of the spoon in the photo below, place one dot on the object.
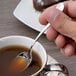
(23, 59)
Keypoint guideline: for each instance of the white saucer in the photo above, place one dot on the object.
(26, 13)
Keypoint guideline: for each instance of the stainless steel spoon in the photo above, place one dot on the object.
(28, 55)
(24, 59)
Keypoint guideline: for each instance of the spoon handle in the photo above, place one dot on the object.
(60, 7)
(44, 29)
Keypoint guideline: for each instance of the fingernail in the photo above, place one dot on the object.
(60, 6)
(54, 13)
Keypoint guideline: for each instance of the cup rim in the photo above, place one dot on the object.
(18, 36)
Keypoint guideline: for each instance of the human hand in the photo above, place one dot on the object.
(63, 26)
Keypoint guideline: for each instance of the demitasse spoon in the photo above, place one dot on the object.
(23, 59)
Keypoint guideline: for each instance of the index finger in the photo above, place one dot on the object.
(70, 10)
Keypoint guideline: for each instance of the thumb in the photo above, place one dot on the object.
(62, 23)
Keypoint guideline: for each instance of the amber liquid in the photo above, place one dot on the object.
(7, 54)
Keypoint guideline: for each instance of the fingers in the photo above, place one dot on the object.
(59, 21)
(43, 16)
(68, 50)
(51, 33)
(63, 24)
(60, 41)
(70, 8)
(68, 46)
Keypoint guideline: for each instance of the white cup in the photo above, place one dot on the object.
(27, 42)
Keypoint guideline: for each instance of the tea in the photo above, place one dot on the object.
(8, 53)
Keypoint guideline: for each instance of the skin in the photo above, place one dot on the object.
(63, 27)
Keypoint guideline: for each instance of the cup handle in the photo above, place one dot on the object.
(57, 68)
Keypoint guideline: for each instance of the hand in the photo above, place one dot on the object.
(63, 26)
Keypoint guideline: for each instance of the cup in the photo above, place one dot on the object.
(27, 42)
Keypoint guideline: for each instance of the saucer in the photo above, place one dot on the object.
(26, 13)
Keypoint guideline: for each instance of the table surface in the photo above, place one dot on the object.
(9, 25)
